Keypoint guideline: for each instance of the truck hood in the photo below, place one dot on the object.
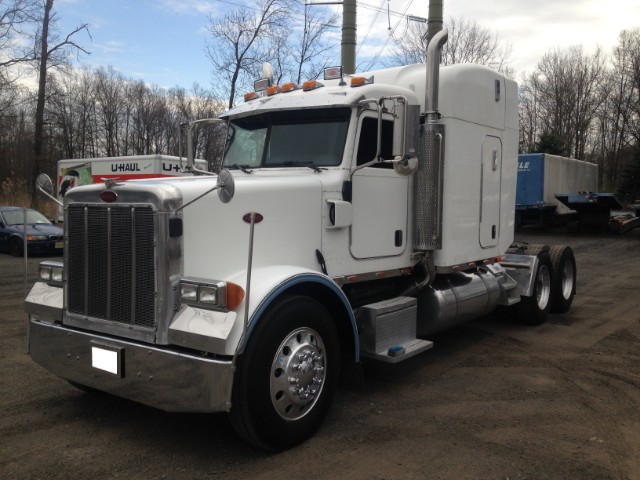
(216, 235)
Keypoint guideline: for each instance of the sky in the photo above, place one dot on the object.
(163, 41)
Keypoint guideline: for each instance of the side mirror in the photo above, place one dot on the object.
(406, 133)
(406, 129)
(45, 186)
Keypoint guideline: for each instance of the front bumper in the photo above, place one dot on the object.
(166, 379)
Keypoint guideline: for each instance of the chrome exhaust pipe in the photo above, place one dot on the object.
(433, 74)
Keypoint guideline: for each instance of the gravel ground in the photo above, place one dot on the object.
(491, 400)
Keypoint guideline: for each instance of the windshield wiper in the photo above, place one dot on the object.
(244, 168)
(298, 164)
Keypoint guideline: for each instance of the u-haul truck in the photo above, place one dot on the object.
(354, 218)
(75, 172)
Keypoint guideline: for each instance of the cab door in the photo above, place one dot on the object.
(379, 196)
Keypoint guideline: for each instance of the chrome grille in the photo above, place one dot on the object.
(110, 263)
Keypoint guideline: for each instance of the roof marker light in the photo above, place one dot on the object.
(272, 90)
(290, 87)
(360, 81)
(311, 85)
(251, 96)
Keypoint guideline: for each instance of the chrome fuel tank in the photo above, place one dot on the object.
(456, 298)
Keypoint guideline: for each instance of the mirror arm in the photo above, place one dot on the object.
(50, 196)
(188, 126)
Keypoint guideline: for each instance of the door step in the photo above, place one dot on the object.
(387, 330)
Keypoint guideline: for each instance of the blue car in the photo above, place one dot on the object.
(42, 235)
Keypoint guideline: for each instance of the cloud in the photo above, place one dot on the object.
(193, 7)
(111, 46)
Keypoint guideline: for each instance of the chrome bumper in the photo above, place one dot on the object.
(161, 378)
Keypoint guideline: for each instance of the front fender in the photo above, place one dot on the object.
(270, 283)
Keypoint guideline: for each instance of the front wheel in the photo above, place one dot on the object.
(16, 247)
(287, 375)
(534, 310)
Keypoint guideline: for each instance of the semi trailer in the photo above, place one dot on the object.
(542, 177)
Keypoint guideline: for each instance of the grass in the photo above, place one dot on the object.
(16, 192)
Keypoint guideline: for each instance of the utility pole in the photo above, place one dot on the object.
(348, 46)
(349, 36)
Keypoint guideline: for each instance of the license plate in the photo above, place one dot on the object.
(59, 245)
(107, 359)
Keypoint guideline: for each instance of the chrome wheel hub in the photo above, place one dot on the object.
(543, 287)
(297, 373)
(567, 280)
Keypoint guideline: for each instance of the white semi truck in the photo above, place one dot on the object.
(354, 217)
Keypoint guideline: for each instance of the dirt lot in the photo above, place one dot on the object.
(492, 400)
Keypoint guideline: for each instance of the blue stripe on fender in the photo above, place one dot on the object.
(295, 280)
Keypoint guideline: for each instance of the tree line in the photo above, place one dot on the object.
(587, 106)
(101, 113)
(575, 104)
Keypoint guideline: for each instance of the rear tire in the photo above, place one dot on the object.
(563, 281)
(287, 375)
(534, 310)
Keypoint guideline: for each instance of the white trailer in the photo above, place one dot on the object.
(355, 217)
(73, 172)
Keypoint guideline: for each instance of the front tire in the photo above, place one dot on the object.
(534, 310)
(287, 375)
(16, 247)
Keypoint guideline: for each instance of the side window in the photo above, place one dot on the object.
(368, 143)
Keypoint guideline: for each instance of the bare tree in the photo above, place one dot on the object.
(468, 43)
(16, 17)
(148, 115)
(15, 21)
(51, 51)
(110, 101)
(561, 98)
(616, 119)
(236, 42)
(309, 46)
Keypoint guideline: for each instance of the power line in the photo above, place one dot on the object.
(375, 58)
(370, 27)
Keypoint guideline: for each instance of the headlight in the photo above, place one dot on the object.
(188, 292)
(52, 273)
(32, 238)
(202, 292)
(210, 293)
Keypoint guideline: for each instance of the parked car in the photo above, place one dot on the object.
(42, 235)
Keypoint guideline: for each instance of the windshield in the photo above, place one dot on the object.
(16, 217)
(288, 138)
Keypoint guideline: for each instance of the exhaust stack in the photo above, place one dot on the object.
(434, 51)
(429, 177)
